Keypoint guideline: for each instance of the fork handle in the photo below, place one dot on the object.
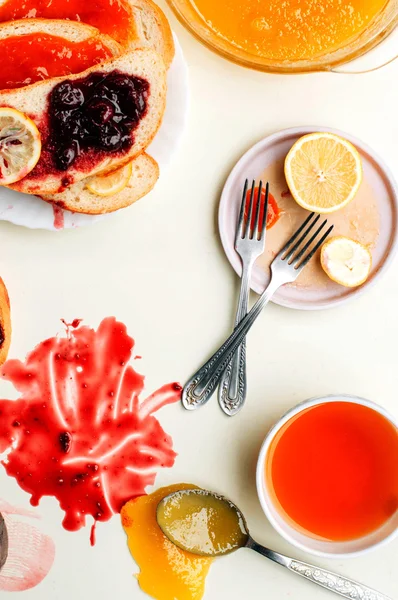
(199, 389)
(232, 389)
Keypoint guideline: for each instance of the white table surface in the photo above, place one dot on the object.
(160, 268)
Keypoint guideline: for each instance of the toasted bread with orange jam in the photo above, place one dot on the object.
(132, 23)
(38, 49)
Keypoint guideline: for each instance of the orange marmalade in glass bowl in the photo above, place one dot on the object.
(289, 36)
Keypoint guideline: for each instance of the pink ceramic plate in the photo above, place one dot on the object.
(377, 177)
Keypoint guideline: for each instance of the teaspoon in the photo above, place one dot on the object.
(207, 524)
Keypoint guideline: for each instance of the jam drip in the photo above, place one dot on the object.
(79, 431)
(99, 113)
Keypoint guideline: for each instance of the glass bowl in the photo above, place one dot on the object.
(376, 32)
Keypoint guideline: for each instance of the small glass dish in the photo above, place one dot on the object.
(378, 31)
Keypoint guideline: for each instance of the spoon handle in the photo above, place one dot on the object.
(327, 579)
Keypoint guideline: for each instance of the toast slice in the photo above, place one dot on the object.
(143, 24)
(77, 198)
(33, 100)
(5, 322)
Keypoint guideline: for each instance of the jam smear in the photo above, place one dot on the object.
(273, 214)
(98, 113)
(34, 57)
(109, 16)
(59, 217)
(84, 435)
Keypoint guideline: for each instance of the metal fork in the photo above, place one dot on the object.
(249, 244)
(285, 268)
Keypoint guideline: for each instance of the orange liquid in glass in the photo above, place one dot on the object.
(333, 470)
(289, 29)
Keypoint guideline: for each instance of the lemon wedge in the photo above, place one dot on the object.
(323, 172)
(346, 261)
(20, 145)
(111, 183)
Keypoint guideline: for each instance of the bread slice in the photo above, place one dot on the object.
(5, 322)
(77, 198)
(72, 31)
(45, 179)
(147, 25)
(152, 29)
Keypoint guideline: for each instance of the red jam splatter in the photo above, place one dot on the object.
(273, 209)
(59, 220)
(84, 435)
(109, 16)
(38, 56)
(286, 194)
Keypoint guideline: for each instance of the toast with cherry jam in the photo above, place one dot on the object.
(93, 122)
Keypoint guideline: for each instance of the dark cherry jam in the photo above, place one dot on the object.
(99, 112)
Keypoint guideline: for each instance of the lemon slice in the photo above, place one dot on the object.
(323, 172)
(111, 183)
(346, 261)
(20, 145)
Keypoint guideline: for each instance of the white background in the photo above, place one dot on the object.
(160, 268)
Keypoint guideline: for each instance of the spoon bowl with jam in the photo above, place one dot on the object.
(207, 524)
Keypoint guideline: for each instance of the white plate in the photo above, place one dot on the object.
(274, 148)
(32, 212)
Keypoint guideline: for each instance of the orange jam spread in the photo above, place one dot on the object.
(289, 29)
(333, 470)
(37, 56)
(109, 16)
(166, 572)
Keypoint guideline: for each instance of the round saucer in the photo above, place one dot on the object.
(377, 177)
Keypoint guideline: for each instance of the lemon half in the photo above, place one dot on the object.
(323, 172)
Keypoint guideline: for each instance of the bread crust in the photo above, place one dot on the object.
(152, 29)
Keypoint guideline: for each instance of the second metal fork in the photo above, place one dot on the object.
(249, 244)
(285, 268)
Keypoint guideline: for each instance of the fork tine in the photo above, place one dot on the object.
(239, 228)
(258, 209)
(307, 245)
(249, 216)
(265, 216)
(296, 234)
(315, 248)
(301, 240)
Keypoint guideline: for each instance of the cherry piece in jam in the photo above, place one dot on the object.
(99, 112)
